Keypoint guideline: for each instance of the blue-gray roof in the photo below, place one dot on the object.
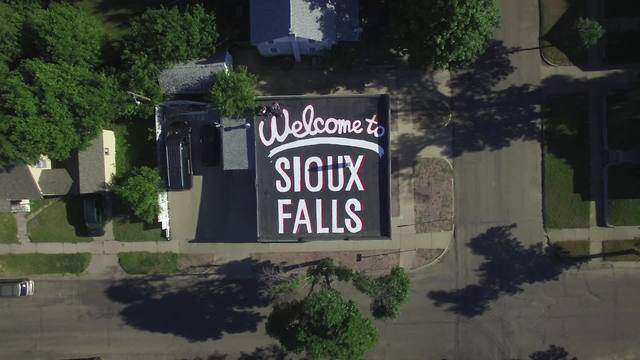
(320, 20)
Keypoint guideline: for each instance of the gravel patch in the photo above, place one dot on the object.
(433, 194)
(426, 256)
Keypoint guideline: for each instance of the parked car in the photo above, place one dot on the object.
(178, 156)
(210, 144)
(16, 288)
(92, 215)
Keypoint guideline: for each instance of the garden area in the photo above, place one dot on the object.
(566, 157)
(433, 194)
(8, 229)
(557, 43)
(35, 264)
(622, 23)
(60, 220)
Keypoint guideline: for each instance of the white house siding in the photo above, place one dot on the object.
(284, 46)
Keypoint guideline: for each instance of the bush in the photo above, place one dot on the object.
(234, 92)
(139, 189)
(63, 33)
(387, 292)
(589, 31)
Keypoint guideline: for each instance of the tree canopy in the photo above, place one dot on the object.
(387, 292)
(66, 34)
(442, 33)
(324, 325)
(140, 192)
(234, 91)
(52, 109)
(168, 36)
(10, 26)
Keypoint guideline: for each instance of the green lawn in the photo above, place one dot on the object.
(620, 250)
(61, 221)
(8, 229)
(34, 264)
(566, 162)
(624, 195)
(149, 263)
(556, 21)
(127, 227)
(623, 120)
(574, 248)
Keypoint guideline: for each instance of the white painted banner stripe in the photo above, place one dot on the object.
(363, 144)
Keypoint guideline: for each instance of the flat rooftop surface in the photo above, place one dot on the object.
(322, 168)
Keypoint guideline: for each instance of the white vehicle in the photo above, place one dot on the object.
(16, 288)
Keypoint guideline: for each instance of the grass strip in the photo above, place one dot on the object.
(567, 173)
(34, 264)
(142, 262)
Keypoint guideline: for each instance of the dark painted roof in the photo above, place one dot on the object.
(91, 167)
(55, 182)
(16, 183)
(320, 20)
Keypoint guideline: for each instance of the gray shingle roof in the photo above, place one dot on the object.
(91, 177)
(16, 183)
(320, 20)
(270, 19)
(194, 77)
(55, 182)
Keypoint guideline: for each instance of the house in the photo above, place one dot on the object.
(302, 27)
(87, 171)
(194, 77)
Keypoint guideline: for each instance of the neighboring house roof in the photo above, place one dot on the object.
(91, 176)
(194, 77)
(16, 183)
(236, 140)
(320, 20)
(55, 182)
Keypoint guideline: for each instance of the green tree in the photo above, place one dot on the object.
(168, 36)
(323, 325)
(442, 33)
(10, 26)
(52, 109)
(63, 33)
(589, 31)
(387, 292)
(139, 189)
(140, 76)
(234, 91)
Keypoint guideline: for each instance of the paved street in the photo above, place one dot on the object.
(591, 313)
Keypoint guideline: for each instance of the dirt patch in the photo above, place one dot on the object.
(426, 256)
(378, 261)
(433, 194)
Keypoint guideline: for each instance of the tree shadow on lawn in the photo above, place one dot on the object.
(197, 311)
(508, 267)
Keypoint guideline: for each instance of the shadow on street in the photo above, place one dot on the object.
(507, 267)
(195, 310)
